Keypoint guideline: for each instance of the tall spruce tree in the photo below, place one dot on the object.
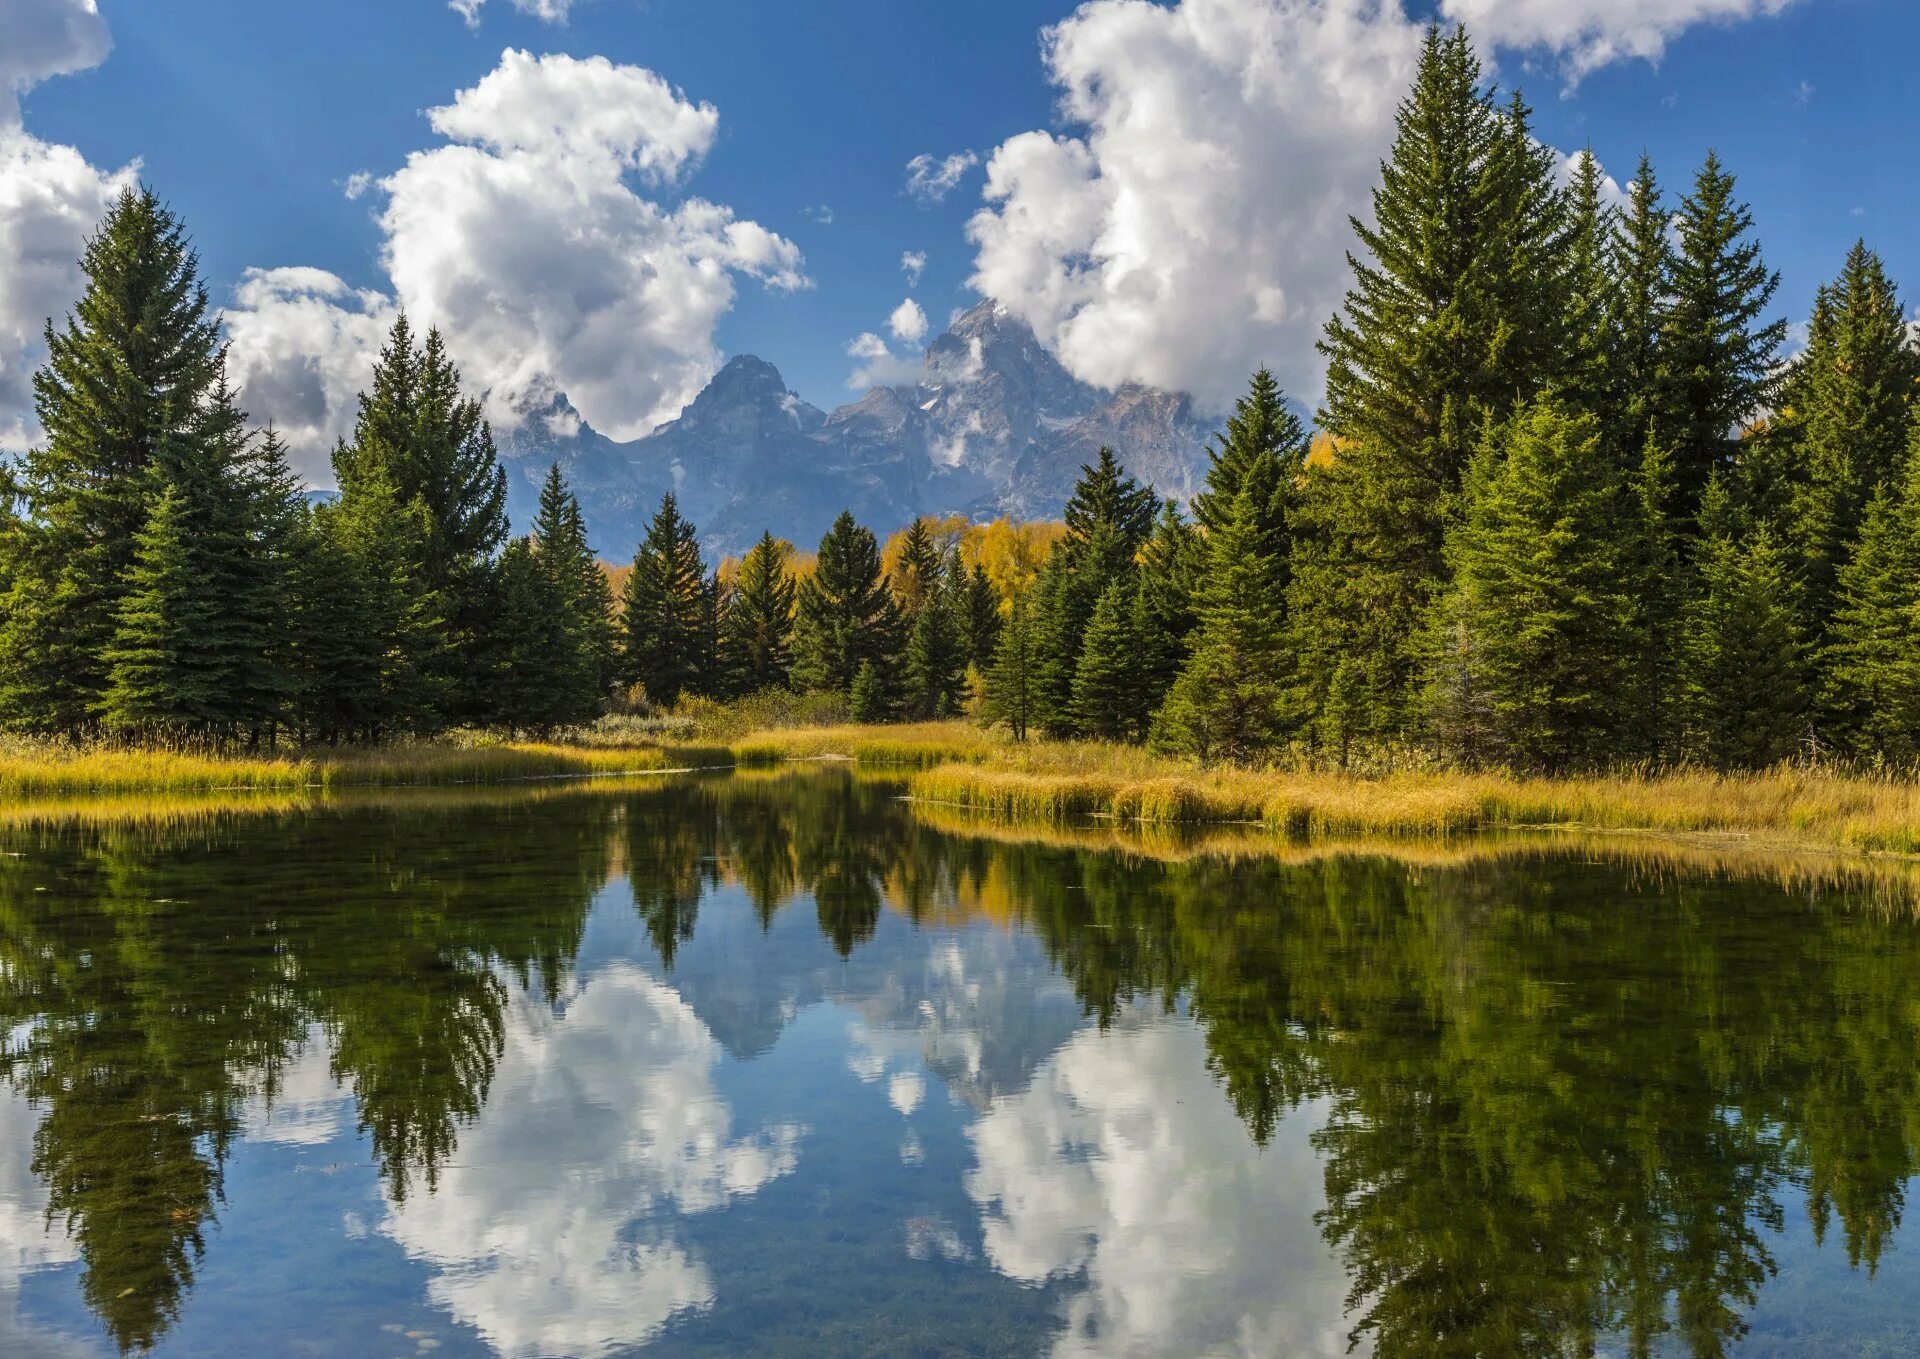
(1843, 421)
(1109, 700)
(1456, 316)
(1744, 693)
(418, 436)
(563, 578)
(1590, 366)
(1173, 564)
(1109, 518)
(1537, 627)
(1718, 354)
(1012, 689)
(846, 618)
(127, 374)
(980, 617)
(917, 575)
(757, 646)
(1640, 258)
(371, 633)
(935, 663)
(1659, 587)
(537, 674)
(664, 610)
(1232, 698)
(1870, 693)
(1261, 422)
(163, 673)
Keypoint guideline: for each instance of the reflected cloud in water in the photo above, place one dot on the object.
(553, 1232)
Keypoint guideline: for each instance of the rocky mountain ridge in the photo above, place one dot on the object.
(994, 426)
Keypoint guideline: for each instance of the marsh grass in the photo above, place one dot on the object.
(909, 746)
(31, 770)
(959, 765)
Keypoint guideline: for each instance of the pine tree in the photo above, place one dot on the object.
(1456, 316)
(1172, 566)
(980, 621)
(264, 697)
(1528, 259)
(757, 648)
(1717, 354)
(1011, 685)
(664, 610)
(1589, 375)
(867, 696)
(1109, 518)
(416, 432)
(1658, 587)
(1261, 422)
(1538, 618)
(417, 435)
(1109, 701)
(935, 663)
(1641, 266)
(1109, 512)
(236, 497)
(578, 635)
(1844, 419)
(1744, 694)
(1231, 700)
(918, 573)
(1442, 325)
(163, 675)
(380, 672)
(533, 690)
(126, 375)
(845, 616)
(1870, 697)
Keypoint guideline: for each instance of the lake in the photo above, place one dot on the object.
(780, 1065)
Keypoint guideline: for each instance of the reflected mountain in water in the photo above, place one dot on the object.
(768, 1063)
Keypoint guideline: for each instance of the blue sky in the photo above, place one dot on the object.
(250, 118)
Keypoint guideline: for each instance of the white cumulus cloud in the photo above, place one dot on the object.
(302, 349)
(1591, 33)
(932, 178)
(1189, 221)
(553, 11)
(913, 263)
(50, 196)
(908, 322)
(526, 238)
(40, 39)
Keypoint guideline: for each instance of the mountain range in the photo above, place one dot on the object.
(994, 425)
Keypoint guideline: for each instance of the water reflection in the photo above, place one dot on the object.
(770, 1064)
(603, 1114)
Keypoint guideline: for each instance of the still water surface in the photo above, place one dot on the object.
(768, 1066)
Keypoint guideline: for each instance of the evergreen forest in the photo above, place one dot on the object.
(1569, 502)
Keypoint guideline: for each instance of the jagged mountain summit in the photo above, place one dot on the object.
(995, 425)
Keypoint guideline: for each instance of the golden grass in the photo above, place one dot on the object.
(49, 770)
(913, 745)
(1053, 782)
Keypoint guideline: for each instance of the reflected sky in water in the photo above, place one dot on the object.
(769, 1066)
